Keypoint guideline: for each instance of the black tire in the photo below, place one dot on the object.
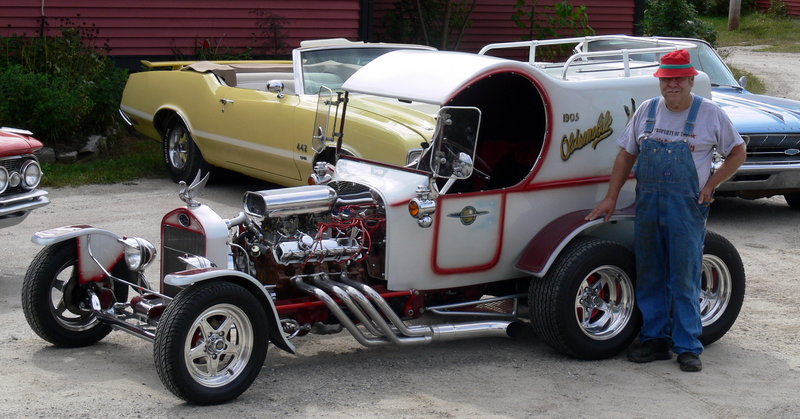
(723, 287)
(197, 311)
(52, 296)
(793, 199)
(182, 157)
(570, 306)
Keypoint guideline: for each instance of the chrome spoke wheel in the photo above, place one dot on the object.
(604, 302)
(219, 345)
(178, 148)
(716, 288)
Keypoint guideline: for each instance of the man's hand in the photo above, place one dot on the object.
(604, 209)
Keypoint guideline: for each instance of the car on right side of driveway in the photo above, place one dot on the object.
(770, 125)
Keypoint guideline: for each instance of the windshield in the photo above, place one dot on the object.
(704, 58)
(332, 67)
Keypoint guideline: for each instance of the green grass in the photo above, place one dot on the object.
(774, 33)
(129, 158)
(769, 33)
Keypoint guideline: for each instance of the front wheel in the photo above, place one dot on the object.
(584, 306)
(211, 342)
(722, 289)
(54, 302)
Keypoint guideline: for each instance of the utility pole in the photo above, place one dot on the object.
(734, 13)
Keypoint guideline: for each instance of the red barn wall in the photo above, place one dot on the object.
(164, 27)
(491, 19)
(168, 28)
(792, 5)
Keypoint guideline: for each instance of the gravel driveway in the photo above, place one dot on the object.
(754, 371)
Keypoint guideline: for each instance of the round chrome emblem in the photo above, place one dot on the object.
(184, 219)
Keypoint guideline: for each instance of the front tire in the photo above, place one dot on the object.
(584, 306)
(211, 343)
(53, 300)
(723, 286)
(182, 157)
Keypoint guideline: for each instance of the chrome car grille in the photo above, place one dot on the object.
(178, 242)
(773, 148)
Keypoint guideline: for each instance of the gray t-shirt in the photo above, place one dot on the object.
(712, 130)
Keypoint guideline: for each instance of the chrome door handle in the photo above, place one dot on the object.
(225, 101)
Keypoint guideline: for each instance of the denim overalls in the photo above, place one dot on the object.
(669, 235)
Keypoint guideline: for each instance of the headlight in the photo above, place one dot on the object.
(139, 253)
(31, 174)
(3, 179)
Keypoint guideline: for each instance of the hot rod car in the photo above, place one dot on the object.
(486, 227)
(20, 174)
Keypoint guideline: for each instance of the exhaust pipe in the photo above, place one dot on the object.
(352, 294)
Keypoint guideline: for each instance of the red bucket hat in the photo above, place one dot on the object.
(676, 64)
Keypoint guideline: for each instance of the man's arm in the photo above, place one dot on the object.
(731, 164)
(619, 174)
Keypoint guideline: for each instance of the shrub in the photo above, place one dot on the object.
(676, 18)
(63, 88)
(778, 8)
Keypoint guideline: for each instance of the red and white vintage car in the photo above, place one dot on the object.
(20, 174)
(486, 227)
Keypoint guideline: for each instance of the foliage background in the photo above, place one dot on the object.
(63, 88)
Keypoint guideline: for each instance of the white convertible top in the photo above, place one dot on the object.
(424, 76)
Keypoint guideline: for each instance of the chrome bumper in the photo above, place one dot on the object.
(771, 179)
(14, 208)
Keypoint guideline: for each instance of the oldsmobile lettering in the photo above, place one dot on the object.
(577, 140)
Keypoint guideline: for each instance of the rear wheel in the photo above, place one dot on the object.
(584, 306)
(55, 304)
(181, 155)
(723, 286)
(211, 342)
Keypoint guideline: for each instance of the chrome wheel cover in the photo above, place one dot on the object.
(218, 345)
(178, 148)
(715, 290)
(604, 302)
(63, 309)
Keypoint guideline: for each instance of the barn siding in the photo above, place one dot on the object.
(491, 19)
(792, 5)
(167, 28)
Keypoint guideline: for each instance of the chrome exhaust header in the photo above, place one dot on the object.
(372, 311)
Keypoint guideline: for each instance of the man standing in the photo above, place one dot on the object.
(674, 137)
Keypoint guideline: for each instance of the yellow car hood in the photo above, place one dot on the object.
(416, 116)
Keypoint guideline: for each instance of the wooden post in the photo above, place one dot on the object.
(734, 12)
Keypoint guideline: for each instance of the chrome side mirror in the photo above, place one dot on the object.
(743, 81)
(276, 86)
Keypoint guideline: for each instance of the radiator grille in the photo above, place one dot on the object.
(179, 242)
(773, 148)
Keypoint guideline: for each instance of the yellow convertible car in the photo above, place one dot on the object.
(256, 117)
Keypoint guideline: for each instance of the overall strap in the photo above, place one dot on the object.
(688, 129)
(650, 123)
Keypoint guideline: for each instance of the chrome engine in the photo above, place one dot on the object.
(292, 230)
